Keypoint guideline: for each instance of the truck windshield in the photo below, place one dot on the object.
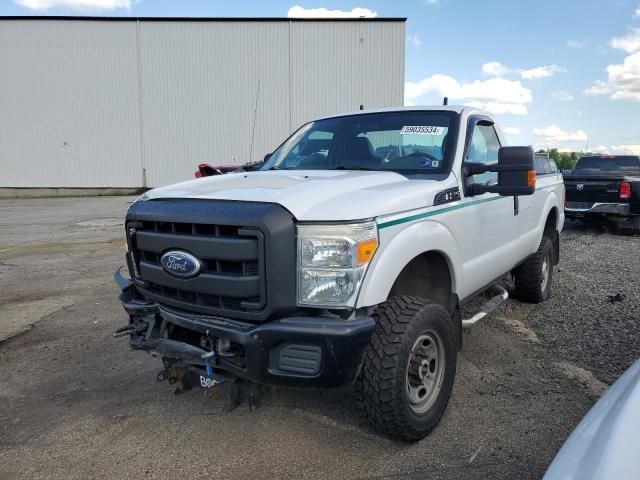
(408, 142)
(605, 165)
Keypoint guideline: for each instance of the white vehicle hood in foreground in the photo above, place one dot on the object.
(331, 195)
(604, 446)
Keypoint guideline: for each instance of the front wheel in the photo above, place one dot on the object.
(409, 368)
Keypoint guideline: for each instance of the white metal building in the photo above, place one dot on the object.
(126, 102)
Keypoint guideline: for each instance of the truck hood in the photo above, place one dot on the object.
(314, 194)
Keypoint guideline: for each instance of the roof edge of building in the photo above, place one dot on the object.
(199, 19)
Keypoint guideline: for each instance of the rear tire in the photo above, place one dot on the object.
(630, 227)
(409, 368)
(535, 276)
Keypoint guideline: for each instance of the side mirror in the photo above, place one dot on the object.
(516, 175)
(267, 157)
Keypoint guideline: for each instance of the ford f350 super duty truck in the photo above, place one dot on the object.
(346, 258)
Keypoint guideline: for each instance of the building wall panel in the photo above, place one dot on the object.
(69, 104)
(201, 84)
(139, 103)
(338, 66)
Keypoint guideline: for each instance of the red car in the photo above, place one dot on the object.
(206, 170)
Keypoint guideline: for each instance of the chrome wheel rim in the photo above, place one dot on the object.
(425, 371)
(546, 265)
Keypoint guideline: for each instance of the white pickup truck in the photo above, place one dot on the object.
(345, 259)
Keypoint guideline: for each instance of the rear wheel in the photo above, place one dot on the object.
(534, 277)
(409, 368)
(630, 227)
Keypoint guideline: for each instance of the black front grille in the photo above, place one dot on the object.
(246, 251)
(231, 264)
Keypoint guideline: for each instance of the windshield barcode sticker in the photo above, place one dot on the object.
(421, 130)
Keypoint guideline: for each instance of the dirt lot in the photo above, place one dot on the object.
(75, 403)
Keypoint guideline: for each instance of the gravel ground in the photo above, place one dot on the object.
(593, 316)
(76, 403)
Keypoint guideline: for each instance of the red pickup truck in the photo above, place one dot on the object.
(206, 170)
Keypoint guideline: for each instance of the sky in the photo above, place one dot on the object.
(556, 73)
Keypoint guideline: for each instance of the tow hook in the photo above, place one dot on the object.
(130, 330)
(186, 378)
(215, 384)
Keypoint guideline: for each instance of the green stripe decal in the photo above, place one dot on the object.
(432, 213)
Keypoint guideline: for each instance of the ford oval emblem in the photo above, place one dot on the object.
(180, 264)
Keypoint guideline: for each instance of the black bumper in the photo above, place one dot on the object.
(299, 351)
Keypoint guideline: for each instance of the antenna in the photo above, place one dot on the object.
(253, 130)
(445, 101)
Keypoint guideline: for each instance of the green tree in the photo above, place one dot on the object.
(554, 154)
(564, 160)
(567, 160)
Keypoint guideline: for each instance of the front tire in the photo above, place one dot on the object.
(409, 368)
(534, 277)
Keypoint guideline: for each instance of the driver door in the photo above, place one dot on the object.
(490, 231)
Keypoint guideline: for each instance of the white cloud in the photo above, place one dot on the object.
(499, 108)
(542, 72)
(571, 43)
(511, 130)
(496, 69)
(623, 80)
(617, 149)
(562, 95)
(630, 43)
(83, 5)
(496, 94)
(300, 12)
(554, 135)
(430, 2)
(625, 149)
(415, 39)
(637, 14)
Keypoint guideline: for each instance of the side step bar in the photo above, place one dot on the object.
(500, 296)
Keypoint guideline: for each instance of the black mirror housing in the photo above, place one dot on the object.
(516, 175)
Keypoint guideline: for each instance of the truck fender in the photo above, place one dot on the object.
(397, 249)
(552, 202)
(533, 237)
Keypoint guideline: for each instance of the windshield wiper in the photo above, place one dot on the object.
(355, 167)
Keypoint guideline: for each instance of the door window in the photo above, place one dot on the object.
(542, 165)
(483, 148)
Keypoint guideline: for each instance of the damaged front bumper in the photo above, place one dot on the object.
(299, 350)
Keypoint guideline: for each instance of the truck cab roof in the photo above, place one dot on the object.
(459, 109)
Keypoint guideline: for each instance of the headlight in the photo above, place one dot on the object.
(332, 260)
